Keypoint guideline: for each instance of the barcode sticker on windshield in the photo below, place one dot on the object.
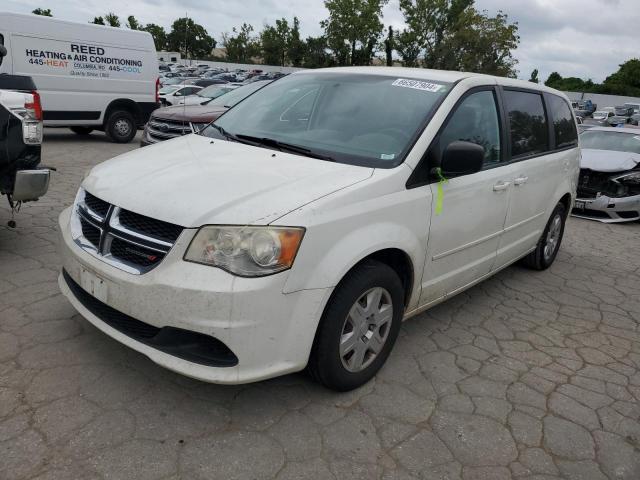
(418, 85)
(636, 138)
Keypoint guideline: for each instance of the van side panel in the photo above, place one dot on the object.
(81, 69)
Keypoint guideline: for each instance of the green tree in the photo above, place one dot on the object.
(159, 35)
(453, 35)
(297, 47)
(484, 44)
(353, 29)
(190, 39)
(133, 24)
(316, 55)
(389, 46)
(554, 79)
(275, 42)
(626, 81)
(45, 12)
(241, 45)
(98, 21)
(534, 76)
(408, 47)
(112, 20)
(434, 23)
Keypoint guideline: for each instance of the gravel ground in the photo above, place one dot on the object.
(530, 375)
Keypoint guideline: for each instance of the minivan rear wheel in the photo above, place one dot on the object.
(549, 244)
(82, 130)
(121, 126)
(358, 328)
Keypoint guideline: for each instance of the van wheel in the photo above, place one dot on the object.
(121, 127)
(358, 328)
(82, 130)
(549, 244)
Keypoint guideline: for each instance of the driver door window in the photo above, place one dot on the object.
(476, 120)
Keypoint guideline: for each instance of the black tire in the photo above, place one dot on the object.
(82, 130)
(121, 126)
(539, 259)
(326, 365)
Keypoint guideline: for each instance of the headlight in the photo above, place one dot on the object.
(632, 178)
(246, 251)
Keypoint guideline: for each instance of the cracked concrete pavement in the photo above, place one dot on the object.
(530, 375)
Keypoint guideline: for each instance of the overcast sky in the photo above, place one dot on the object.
(583, 38)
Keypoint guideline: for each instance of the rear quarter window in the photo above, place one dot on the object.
(528, 123)
(564, 126)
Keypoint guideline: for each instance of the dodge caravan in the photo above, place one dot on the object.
(305, 224)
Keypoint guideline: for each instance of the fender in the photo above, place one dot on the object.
(352, 224)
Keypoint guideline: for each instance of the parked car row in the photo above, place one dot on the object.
(618, 116)
(205, 75)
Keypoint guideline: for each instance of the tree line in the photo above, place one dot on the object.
(625, 81)
(445, 34)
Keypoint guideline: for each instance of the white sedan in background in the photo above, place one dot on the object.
(609, 184)
(171, 94)
(207, 94)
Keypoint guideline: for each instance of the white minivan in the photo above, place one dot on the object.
(302, 226)
(90, 77)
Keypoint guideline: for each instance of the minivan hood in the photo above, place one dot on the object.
(194, 180)
(608, 160)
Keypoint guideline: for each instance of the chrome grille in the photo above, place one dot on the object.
(127, 240)
(160, 129)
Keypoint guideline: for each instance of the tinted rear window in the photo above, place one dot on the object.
(529, 131)
(564, 126)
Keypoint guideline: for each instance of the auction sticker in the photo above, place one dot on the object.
(417, 84)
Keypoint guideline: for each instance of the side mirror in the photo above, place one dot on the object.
(3, 51)
(462, 158)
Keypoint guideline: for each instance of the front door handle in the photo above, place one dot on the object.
(520, 180)
(500, 186)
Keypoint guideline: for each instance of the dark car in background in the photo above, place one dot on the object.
(171, 122)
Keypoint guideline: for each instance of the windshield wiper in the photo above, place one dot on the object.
(285, 147)
(231, 136)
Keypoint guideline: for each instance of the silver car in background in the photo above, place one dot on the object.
(609, 183)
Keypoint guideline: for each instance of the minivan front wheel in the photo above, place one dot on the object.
(549, 244)
(358, 328)
(121, 127)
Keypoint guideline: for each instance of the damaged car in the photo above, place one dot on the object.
(609, 183)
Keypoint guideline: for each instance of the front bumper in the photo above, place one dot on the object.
(608, 209)
(269, 332)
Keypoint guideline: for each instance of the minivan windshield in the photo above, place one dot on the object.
(621, 111)
(360, 119)
(616, 141)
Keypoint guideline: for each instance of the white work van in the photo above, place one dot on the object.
(90, 77)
